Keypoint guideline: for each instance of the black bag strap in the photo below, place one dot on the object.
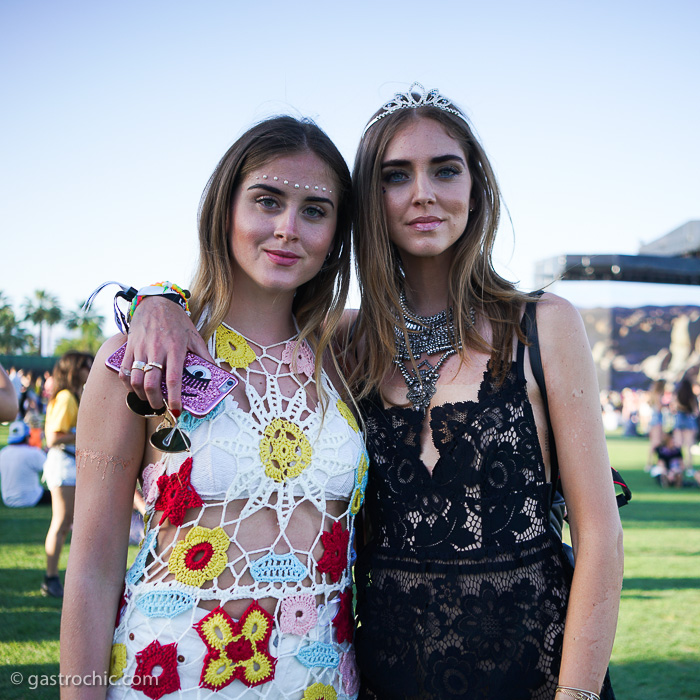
(533, 340)
(530, 319)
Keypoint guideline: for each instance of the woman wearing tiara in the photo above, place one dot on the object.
(462, 589)
(242, 586)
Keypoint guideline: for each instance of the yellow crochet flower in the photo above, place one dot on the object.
(232, 347)
(357, 500)
(347, 414)
(237, 650)
(200, 557)
(362, 468)
(117, 662)
(318, 691)
(284, 450)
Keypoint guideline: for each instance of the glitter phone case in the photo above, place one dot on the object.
(204, 385)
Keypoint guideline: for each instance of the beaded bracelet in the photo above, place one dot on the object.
(577, 693)
(169, 290)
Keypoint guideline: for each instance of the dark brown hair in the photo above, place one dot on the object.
(66, 373)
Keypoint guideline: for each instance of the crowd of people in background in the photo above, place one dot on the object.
(669, 416)
(37, 467)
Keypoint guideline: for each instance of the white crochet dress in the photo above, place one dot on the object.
(242, 587)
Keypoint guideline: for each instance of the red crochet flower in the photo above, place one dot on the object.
(177, 494)
(335, 558)
(236, 650)
(147, 659)
(343, 620)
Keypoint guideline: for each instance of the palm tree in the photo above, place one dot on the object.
(89, 325)
(14, 340)
(42, 309)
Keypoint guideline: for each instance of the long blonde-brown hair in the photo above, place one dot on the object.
(318, 304)
(472, 281)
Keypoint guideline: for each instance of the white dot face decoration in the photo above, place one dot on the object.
(296, 185)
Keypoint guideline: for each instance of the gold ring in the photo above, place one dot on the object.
(153, 365)
(138, 364)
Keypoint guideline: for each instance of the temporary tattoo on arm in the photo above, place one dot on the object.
(101, 461)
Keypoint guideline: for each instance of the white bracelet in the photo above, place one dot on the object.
(577, 693)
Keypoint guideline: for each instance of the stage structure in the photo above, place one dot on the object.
(633, 347)
(671, 259)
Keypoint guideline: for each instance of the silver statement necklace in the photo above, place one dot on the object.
(428, 335)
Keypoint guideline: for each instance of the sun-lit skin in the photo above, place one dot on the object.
(280, 235)
(427, 186)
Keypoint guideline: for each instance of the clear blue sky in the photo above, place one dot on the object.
(114, 115)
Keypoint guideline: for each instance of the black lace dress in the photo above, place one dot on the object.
(462, 590)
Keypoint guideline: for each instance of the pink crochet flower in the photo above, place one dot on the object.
(303, 355)
(298, 614)
(149, 480)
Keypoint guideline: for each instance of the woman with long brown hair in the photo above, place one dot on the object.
(242, 587)
(69, 376)
(462, 588)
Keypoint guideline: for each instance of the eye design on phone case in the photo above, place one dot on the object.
(204, 385)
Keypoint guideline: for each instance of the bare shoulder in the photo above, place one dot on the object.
(566, 352)
(557, 316)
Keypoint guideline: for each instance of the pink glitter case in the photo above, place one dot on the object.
(204, 385)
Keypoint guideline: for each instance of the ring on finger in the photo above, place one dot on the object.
(126, 372)
(138, 364)
(152, 365)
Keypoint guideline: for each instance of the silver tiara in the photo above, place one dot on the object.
(407, 100)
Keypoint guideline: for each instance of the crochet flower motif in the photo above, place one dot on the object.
(236, 649)
(232, 348)
(350, 673)
(347, 414)
(335, 556)
(117, 662)
(298, 614)
(177, 494)
(300, 352)
(149, 481)
(318, 691)
(200, 557)
(358, 495)
(343, 620)
(284, 450)
(168, 681)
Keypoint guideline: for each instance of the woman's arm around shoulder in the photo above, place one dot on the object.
(110, 442)
(574, 404)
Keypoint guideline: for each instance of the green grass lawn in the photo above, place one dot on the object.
(657, 650)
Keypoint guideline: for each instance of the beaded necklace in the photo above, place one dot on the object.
(428, 335)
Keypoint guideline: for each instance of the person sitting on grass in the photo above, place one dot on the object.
(669, 467)
(20, 467)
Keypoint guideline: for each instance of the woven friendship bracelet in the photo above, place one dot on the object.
(577, 693)
(169, 290)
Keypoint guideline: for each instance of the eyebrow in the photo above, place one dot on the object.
(282, 193)
(435, 161)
